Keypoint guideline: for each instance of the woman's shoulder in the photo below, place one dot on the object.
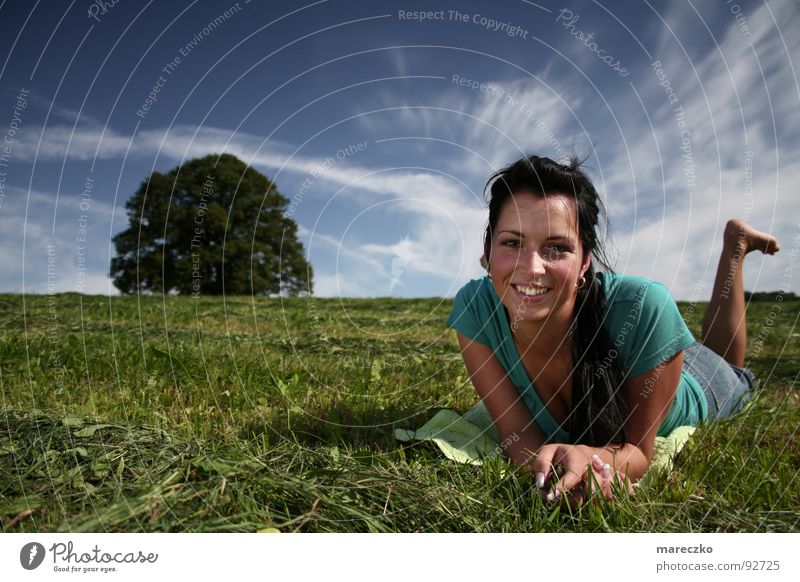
(474, 311)
(621, 288)
(476, 290)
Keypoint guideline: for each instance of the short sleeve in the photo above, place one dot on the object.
(465, 317)
(657, 329)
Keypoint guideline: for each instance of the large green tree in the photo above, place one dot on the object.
(213, 225)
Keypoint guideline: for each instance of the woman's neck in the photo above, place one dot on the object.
(544, 340)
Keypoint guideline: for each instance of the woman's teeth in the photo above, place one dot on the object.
(531, 291)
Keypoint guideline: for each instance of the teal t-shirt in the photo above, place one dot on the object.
(642, 322)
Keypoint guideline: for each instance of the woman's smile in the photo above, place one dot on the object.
(531, 294)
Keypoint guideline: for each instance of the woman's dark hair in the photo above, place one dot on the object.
(599, 408)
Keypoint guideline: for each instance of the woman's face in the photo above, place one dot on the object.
(536, 257)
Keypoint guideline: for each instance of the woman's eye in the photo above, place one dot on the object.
(557, 249)
(509, 243)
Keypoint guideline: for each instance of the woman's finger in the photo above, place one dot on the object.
(543, 465)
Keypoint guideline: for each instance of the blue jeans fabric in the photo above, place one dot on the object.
(727, 387)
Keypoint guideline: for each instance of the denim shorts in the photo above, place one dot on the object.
(727, 387)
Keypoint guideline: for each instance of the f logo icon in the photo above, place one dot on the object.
(31, 555)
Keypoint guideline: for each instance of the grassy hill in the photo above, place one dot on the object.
(240, 414)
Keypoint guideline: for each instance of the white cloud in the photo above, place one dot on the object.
(30, 223)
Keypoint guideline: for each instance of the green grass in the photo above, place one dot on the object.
(235, 414)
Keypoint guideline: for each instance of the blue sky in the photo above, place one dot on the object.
(687, 114)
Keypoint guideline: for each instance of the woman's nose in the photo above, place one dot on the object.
(535, 263)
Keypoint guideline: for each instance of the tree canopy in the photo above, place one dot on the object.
(213, 225)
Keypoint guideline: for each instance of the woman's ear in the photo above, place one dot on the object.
(587, 262)
(484, 262)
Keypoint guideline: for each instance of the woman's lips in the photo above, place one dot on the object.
(531, 298)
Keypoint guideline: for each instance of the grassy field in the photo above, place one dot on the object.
(212, 414)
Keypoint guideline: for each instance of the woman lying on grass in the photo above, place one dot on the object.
(582, 369)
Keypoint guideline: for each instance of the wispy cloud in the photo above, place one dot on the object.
(53, 110)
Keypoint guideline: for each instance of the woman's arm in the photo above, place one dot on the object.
(519, 435)
(649, 398)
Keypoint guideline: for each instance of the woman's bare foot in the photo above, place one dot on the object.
(724, 324)
(745, 239)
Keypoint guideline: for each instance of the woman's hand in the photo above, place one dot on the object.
(603, 479)
(575, 472)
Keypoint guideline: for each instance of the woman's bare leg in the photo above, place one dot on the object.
(724, 325)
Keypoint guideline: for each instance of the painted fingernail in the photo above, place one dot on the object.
(596, 459)
(549, 496)
(606, 471)
(540, 480)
